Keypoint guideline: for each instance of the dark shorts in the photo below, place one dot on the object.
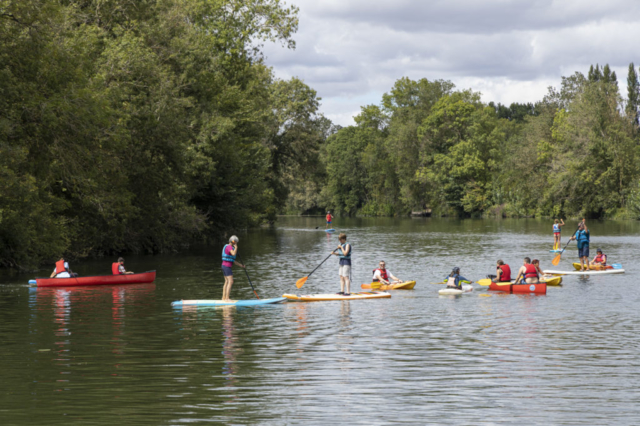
(583, 252)
(226, 271)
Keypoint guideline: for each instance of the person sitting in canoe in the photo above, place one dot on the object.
(62, 270)
(329, 219)
(503, 273)
(527, 273)
(557, 225)
(582, 237)
(599, 260)
(229, 252)
(118, 268)
(454, 279)
(344, 252)
(383, 275)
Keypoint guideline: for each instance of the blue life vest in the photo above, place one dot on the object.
(348, 256)
(556, 227)
(227, 257)
(582, 238)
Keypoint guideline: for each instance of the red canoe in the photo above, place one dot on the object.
(540, 288)
(144, 277)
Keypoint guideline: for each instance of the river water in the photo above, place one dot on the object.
(97, 356)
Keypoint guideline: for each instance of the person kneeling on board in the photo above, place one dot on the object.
(503, 273)
(118, 268)
(383, 275)
(454, 280)
(229, 252)
(528, 273)
(599, 260)
(344, 252)
(62, 270)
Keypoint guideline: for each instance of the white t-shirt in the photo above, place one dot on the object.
(64, 274)
(121, 269)
(378, 276)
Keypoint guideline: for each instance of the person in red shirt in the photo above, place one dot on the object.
(329, 219)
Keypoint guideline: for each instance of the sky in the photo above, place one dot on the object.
(352, 51)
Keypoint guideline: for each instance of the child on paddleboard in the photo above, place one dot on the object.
(557, 229)
(229, 253)
(600, 259)
(344, 252)
(329, 219)
(454, 279)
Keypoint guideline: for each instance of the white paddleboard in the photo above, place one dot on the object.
(605, 272)
(206, 302)
(466, 288)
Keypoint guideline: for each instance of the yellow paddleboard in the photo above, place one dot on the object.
(333, 296)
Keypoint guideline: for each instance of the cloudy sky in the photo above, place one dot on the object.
(352, 51)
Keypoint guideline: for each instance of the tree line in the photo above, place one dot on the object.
(428, 145)
(144, 126)
(140, 126)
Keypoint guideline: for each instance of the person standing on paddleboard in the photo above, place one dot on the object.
(582, 237)
(344, 252)
(229, 253)
(384, 275)
(557, 229)
(329, 219)
(527, 273)
(454, 279)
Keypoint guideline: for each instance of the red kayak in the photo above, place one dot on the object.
(540, 288)
(144, 277)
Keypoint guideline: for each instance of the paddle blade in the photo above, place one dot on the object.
(556, 259)
(484, 282)
(301, 281)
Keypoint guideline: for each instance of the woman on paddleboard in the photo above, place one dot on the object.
(344, 252)
(454, 280)
(557, 229)
(229, 253)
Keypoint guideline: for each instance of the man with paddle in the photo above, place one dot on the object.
(582, 237)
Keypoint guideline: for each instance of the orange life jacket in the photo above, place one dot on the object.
(506, 273)
(60, 267)
(601, 258)
(115, 268)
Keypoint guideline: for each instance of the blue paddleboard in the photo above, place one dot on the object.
(206, 302)
(330, 230)
(555, 251)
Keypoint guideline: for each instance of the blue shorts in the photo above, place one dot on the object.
(226, 271)
(328, 222)
(583, 252)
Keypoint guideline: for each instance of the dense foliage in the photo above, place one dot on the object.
(139, 125)
(428, 145)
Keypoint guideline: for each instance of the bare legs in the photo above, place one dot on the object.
(345, 284)
(226, 290)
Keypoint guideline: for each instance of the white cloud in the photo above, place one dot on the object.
(351, 52)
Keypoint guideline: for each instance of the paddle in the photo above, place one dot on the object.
(556, 259)
(301, 281)
(245, 271)
(487, 282)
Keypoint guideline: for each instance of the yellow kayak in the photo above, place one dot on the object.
(592, 267)
(407, 285)
(549, 281)
(334, 296)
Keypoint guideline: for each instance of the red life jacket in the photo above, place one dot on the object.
(383, 274)
(60, 267)
(506, 273)
(328, 218)
(115, 268)
(530, 271)
(601, 258)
